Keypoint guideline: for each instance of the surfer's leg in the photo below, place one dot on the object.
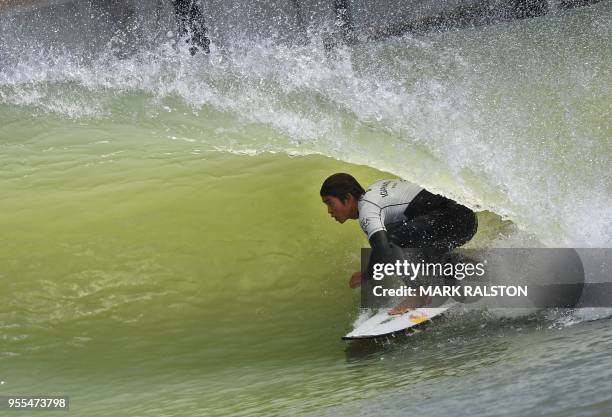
(442, 229)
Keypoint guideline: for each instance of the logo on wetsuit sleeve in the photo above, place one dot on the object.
(383, 189)
(364, 223)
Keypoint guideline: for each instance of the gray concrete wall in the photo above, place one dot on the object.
(89, 25)
(257, 19)
(85, 26)
(282, 20)
(378, 18)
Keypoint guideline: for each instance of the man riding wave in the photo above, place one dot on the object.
(396, 213)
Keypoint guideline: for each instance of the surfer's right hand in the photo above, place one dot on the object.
(355, 280)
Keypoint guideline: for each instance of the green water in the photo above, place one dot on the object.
(164, 250)
(143, 277)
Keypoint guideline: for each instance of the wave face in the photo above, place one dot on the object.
(164, 250)
(513, 118)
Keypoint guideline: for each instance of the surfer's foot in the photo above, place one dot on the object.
(408, 304)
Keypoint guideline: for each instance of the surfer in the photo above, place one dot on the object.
(397, 213)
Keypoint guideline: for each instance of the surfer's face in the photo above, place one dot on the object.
(339, 210)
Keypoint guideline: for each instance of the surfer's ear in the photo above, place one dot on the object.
(347, 200)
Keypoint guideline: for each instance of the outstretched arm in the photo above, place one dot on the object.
(379, 241)
(381, 249)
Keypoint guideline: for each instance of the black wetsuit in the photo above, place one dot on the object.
(433, 221)
(396, 213)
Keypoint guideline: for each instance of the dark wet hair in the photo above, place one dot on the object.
(341, 185)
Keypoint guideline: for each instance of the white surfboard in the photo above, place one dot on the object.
(381, 323)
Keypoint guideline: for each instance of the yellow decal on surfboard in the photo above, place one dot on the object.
(417, 318)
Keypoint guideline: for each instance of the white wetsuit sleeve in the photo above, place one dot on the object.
(370, 218)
